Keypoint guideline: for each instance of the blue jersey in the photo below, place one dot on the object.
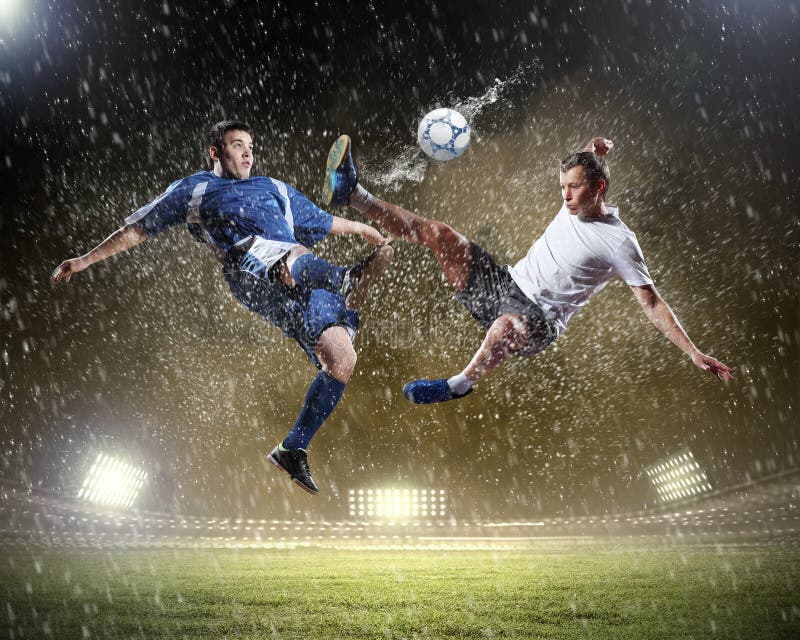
(266, 214)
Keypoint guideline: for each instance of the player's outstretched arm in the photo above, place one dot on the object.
(122, 239)
(601, 146)
(343, 226)
(660, 314)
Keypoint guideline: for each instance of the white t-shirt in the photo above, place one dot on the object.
(574, 259)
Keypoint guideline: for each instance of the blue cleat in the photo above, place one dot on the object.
(341, 174)
(430, 391)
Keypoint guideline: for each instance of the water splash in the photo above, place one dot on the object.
(472, 106)
(409, 164)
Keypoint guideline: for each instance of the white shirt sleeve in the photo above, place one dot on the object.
(628, 263)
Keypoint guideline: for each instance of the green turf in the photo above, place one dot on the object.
(557, 591)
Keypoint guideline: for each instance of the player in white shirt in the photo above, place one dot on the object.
(526, 307)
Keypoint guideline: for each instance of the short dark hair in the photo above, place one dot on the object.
(595, 167)
(216, 136)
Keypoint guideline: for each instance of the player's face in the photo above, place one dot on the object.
(580, 197)
(236, 156)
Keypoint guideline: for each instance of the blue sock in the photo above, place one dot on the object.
(321, 399)
(315, 273)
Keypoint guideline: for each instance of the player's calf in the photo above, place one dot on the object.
(508, 334)
(359, 277)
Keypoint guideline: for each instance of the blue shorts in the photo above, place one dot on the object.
(301, 313)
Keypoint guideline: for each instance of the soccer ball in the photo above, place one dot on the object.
(443, 134)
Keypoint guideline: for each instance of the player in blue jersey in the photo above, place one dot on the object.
(261, 230)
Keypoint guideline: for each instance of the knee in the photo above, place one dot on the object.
(341, 362)
(512, 330)
(449, 246)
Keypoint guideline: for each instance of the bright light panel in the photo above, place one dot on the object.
(396, 504)
(678, 477)
(112, 482)
(8, 8)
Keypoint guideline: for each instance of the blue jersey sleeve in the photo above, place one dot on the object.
(167, 210)
(311, 224)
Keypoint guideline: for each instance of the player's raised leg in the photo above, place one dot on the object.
(452, 250)
(509, 334)
(300, 266)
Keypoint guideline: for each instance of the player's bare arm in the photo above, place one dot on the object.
(660, 314)
(121, 240)
(343, 226)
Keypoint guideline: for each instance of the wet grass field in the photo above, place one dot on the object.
(553, 590)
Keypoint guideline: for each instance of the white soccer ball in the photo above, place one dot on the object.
(443, 134)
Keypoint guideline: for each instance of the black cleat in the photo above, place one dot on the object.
(295, 463)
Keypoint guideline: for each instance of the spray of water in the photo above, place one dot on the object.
(409, 165)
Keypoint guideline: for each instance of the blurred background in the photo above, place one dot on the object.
(148, 357)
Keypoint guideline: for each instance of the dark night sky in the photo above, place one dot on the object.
(147, 355)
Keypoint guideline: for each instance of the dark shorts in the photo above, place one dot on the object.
(491, 292)
(302, 314)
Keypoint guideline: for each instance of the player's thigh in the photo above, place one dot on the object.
(294, 253)
(335, 352)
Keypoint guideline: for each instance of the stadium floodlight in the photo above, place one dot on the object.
(8, 8)
(112, 482)
(396, 504)
(678, 477)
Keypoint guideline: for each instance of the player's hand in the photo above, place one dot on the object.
(373, 236)
(713, 366)
(67, 269)
(600, 146)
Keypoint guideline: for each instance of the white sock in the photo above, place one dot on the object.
(459, 384)
(361, 199)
